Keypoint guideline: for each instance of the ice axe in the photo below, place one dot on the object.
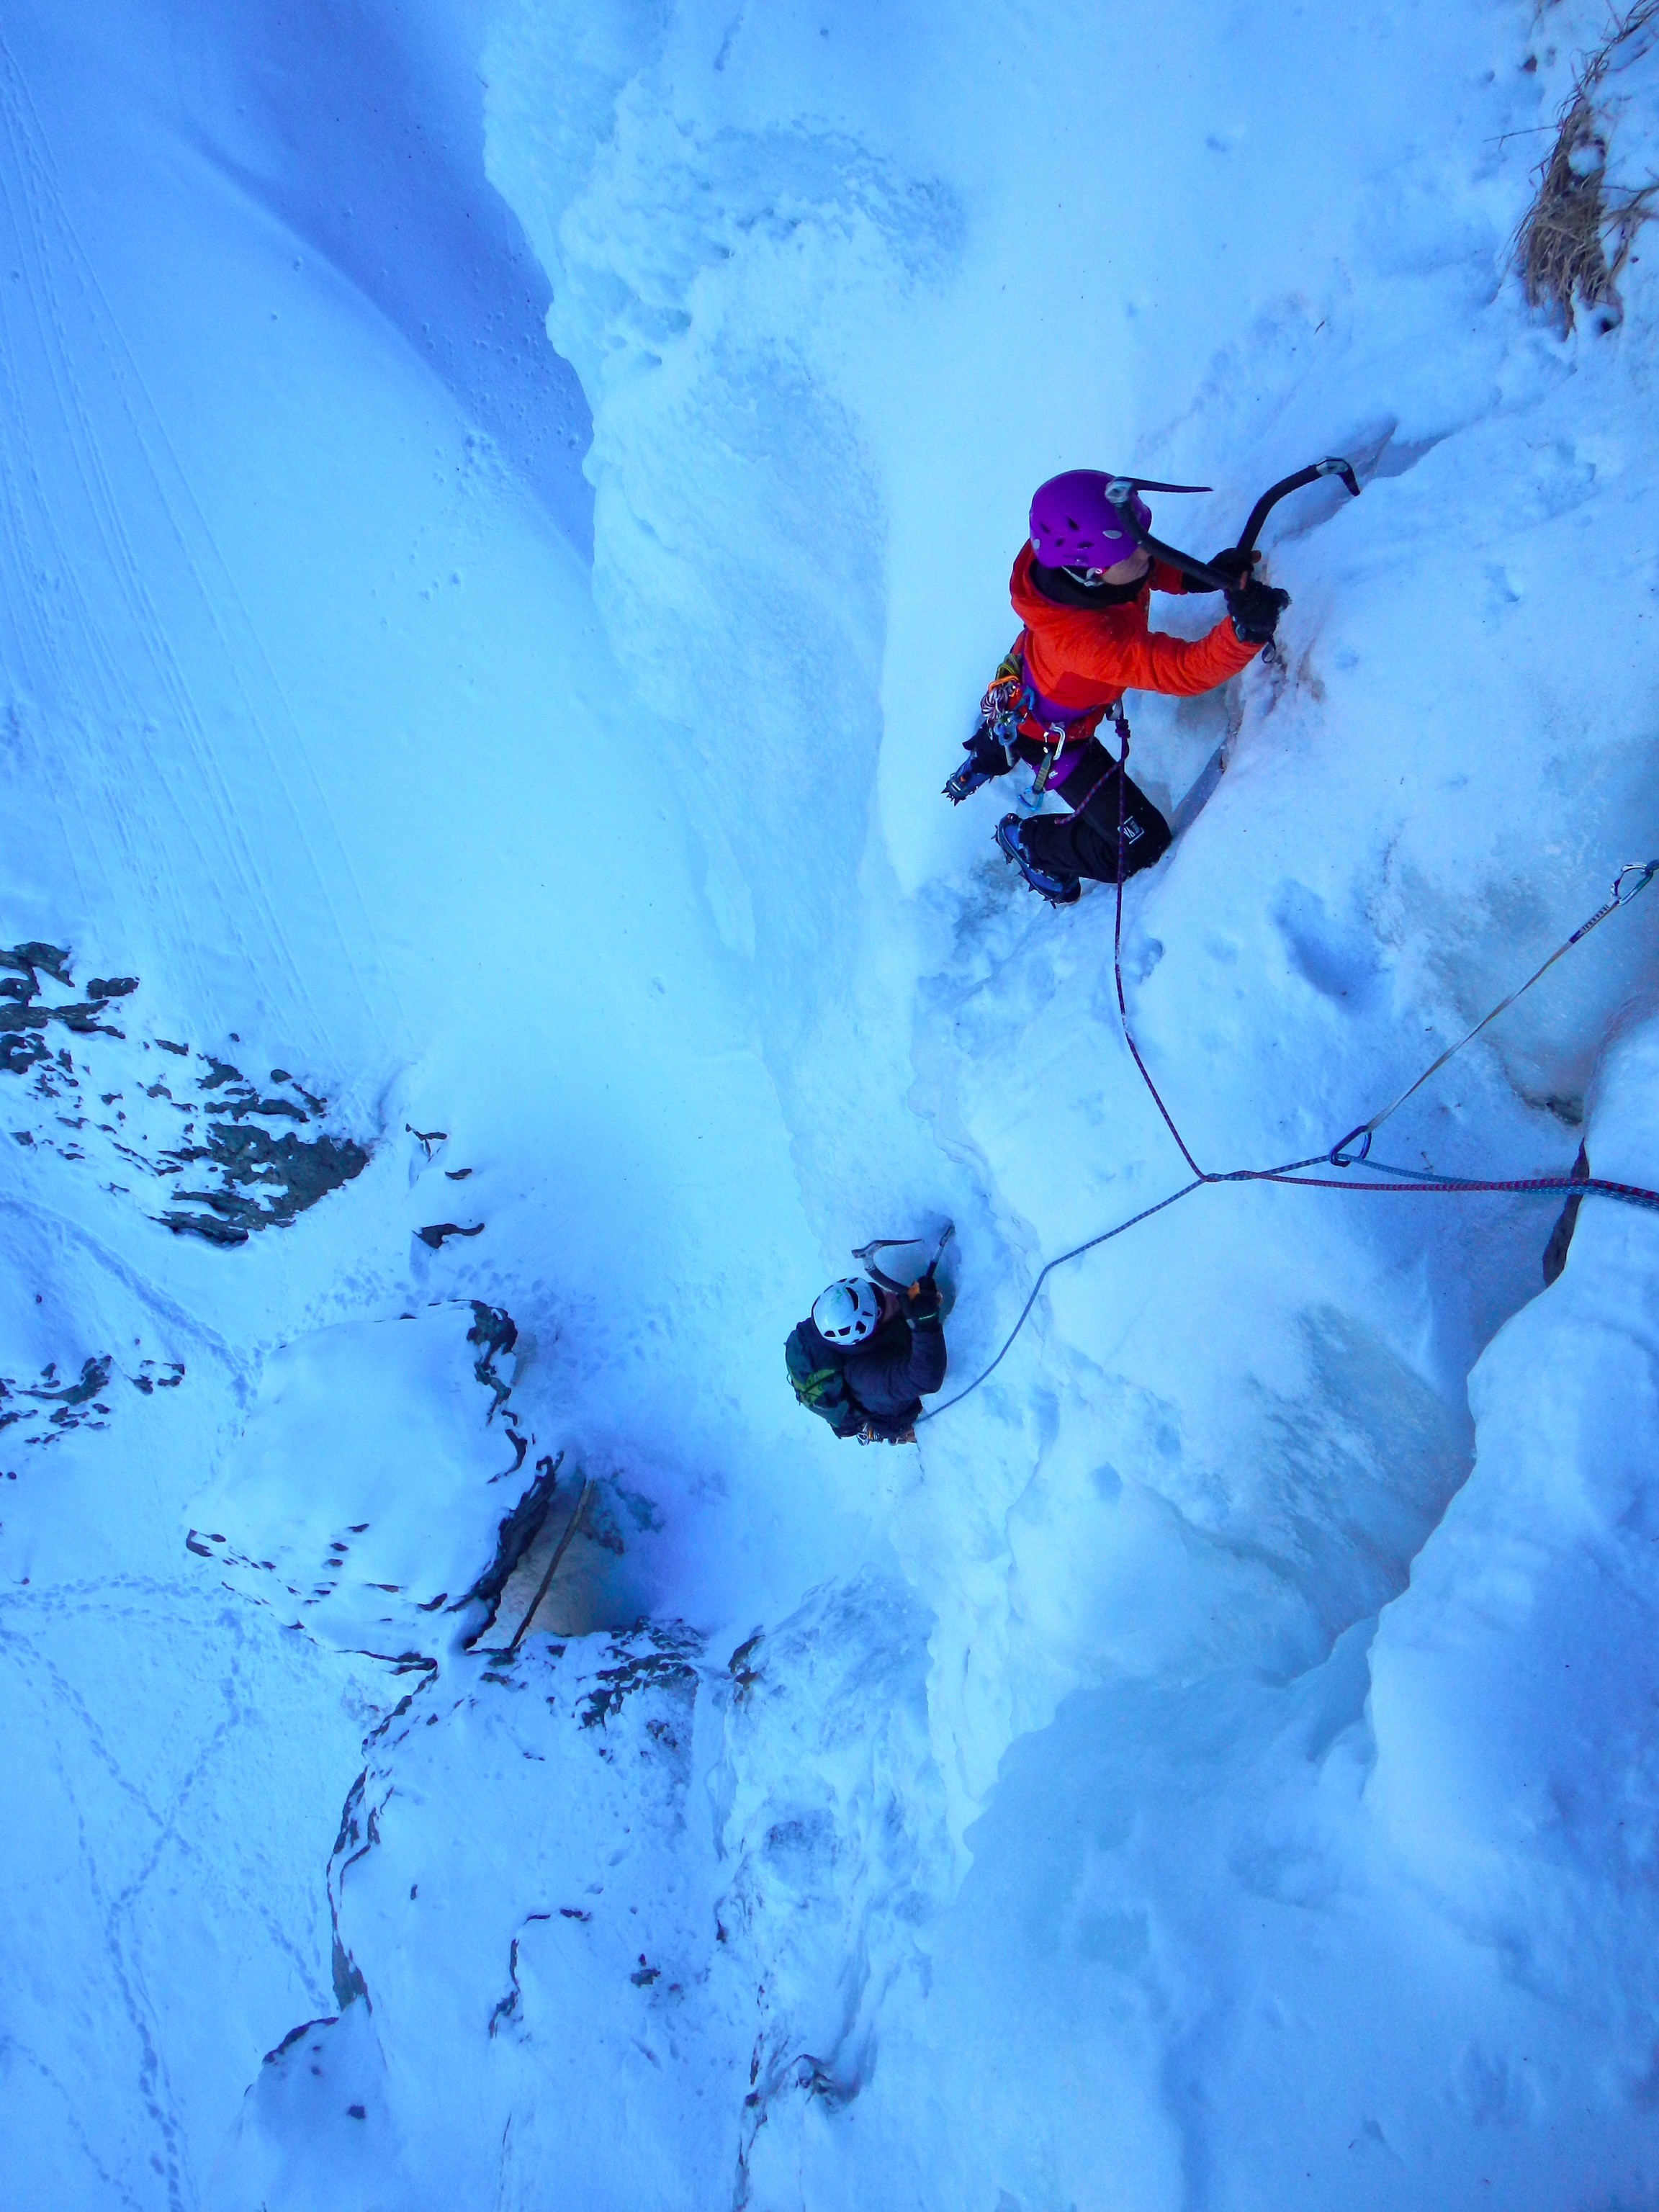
(876, 1273)
(1120, 490)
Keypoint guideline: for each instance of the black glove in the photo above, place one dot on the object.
(1238, 568)
(985, 758)
(923, 1299)
(1255, 609)
(1230, 563)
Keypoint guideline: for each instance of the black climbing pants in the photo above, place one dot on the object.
(1084, 841)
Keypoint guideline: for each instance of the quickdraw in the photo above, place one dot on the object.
(1348, 1150)
(1008, 702)
(1008, 713)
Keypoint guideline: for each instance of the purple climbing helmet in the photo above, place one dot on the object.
(1075, 526)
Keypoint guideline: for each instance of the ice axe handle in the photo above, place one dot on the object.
(1120, 490)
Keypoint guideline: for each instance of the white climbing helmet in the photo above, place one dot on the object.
(847, 1312)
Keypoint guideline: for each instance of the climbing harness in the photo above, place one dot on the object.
(1293, 1174)
(1054, 742)
(1008, 711)
(1009, 699)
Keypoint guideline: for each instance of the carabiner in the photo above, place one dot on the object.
(1645, 869)
(1340, 1157)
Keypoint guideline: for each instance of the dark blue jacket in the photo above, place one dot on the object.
(884, 1381)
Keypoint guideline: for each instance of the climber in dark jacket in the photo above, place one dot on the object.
(867, 1356)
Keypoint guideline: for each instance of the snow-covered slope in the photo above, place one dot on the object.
(1213, 1768)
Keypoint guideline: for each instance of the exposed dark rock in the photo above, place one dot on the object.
(81, 1016)
(745, 1671)
(496, 1331)
(1560, 1242)
(94, 1378)
(654, 1657)
(255, 1178)
(210, 1232)
(296, 2034)
(17, 1055)
(270, 1180)
(517, 1533)
(24, 959)
(74, 1405)
(436, 1232)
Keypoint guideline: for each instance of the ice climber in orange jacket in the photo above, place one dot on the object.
(1081, 588)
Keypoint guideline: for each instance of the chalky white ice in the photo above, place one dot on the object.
(508, 506)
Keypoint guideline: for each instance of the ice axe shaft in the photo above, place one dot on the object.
(1120, 490)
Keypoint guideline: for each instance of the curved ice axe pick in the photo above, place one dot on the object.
(1334, 466)
(1119, 490)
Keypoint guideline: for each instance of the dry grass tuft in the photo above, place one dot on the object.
(1577, 239)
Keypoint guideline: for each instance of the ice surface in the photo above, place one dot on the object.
(1215, 1769)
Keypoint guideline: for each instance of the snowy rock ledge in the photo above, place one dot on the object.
(614, 1922)
(372, 1493)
